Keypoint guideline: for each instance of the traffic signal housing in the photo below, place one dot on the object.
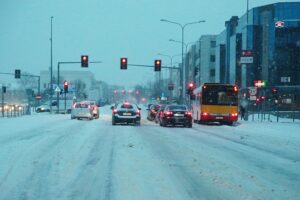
(84, 61)
(123, 63)
(17, 73)
(190, 89)
(157, 65)
(3, 89)
(66, 86)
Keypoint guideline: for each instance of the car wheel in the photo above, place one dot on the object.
(72, 117)
(161, 123)
(138, 123)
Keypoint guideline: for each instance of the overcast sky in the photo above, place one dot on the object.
(106, 31)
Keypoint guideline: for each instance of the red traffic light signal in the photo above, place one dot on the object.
(191, 87)
(66, 86)
(84, 61)
(123, 63)
(157, 65)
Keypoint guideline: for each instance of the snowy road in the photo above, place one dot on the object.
(52, 157)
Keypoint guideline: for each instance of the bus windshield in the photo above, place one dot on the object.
(219, 95)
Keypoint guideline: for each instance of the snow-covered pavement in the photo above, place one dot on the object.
(46, 156)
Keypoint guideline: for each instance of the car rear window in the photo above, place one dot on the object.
(81, 105)
(177, 108)
(128, 106)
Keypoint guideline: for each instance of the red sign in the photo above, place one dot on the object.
(247, 53)
(38, 97)
(279, 24)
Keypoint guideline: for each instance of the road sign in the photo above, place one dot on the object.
(246, 57)
(170, 86)
(253, 98)
(38, 97)
(57, 89)
(246, 60)
(252, 91)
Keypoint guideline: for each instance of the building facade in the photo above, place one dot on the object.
(272, 34)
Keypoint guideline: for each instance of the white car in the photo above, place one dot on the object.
(82, 110)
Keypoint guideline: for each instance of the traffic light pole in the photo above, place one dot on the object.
(2, 102)
(58, 74)
(164, 67)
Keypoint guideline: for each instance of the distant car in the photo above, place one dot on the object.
(176, 115)
(159, 113)
(94, 108)
(82, 110)
(126, 113)
(152, 111)
(42, 108)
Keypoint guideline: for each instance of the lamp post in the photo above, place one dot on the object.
(51, 68)
(171, 63)
(182, 26)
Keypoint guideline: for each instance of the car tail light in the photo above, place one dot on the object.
(138, 112)
(204, 115)
(74, 105)
(168, 113)
(235, 88)
(188, 113)
(115, 111)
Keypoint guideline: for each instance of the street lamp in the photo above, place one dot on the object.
(182, 26)
(171, 59)
(51, 67)
(185, 44)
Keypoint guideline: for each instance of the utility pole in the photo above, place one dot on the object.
(51, 68)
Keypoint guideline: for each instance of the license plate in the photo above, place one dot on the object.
(179, 115)
(219, 117)
(126, 114)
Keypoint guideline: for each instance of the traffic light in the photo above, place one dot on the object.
(3, 89)
(17, 73)
(190, 89)
(275, 94)
(196, 71)
(66, 86)
(274, 91)
(157, 65)
(123, 63)
(84, 61)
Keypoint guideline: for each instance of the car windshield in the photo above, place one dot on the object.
(150, 100)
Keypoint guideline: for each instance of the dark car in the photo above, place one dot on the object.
(126, 113)
(176, 115)
(152, 111)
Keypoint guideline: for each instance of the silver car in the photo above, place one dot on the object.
(81, 110)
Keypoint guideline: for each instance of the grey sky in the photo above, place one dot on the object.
(106, 31)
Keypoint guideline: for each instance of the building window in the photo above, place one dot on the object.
(212, 72)
(213, 44)
(212, 58)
